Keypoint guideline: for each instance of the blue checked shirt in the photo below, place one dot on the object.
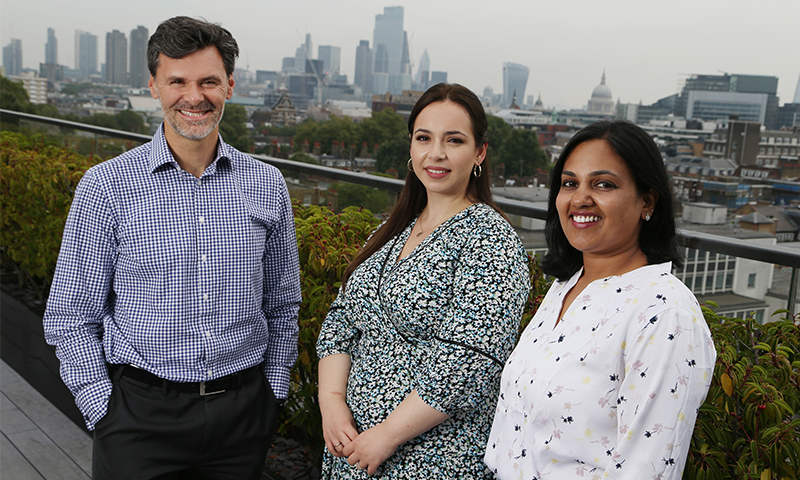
(190, 279)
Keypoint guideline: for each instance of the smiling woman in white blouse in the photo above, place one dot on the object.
(607, 378)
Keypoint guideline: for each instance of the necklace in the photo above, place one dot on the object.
(419, 222)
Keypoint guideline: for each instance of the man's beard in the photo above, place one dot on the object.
(193, 130)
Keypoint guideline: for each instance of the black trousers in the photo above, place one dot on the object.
(150, 433)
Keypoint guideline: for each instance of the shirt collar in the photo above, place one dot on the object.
(161, 155)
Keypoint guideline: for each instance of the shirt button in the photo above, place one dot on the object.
(203, 258)
(208, 334)
(210, 372)
(205, 296)
(198, 181)
(201, 219)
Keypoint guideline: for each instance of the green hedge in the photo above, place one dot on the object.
(748, 427)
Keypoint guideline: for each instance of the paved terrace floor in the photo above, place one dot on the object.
(38, 441)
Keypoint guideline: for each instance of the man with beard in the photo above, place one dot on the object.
(174, 304)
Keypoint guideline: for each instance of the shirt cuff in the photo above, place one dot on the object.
(92, 401)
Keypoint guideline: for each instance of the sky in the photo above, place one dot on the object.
(646, 48)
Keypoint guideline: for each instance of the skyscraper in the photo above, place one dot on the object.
(12, 57)
(116, 58)
(405, 62)
(515, 80)
(51, 48)
(389, 34)
(139, 72)
(330, 57)
(423, 70)
(85, 53)
(797, 91)
(363, 73)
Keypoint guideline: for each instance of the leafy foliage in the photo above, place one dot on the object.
(748, 426)
(370, 198)
(233, 129)
(394, 154)
(37, 181)
(326, 242)
(521, 153)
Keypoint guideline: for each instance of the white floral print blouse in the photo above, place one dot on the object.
(613, 390)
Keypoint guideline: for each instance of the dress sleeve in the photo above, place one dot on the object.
(338, 334)
(81, 298)
(669, 364)
(461, 366)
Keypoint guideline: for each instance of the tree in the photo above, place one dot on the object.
(341, 129)
(521, 153)
(499, 131)
(233, 128)
(393, 154)
(373, 199)
(382, 127)
(308, 130)
(130, 121)
(13, 96)
(304, 158)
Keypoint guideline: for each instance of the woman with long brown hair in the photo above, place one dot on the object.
(412, 348)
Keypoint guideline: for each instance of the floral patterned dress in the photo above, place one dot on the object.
(440, 321)
(613, 390)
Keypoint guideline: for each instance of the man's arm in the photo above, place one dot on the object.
(79, 299)
(281, 296)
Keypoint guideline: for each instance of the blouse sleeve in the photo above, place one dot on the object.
(669, 364)
(338, 333)
(461, 366)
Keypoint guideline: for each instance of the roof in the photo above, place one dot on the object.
(756, 219)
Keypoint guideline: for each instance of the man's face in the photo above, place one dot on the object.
(192, 91)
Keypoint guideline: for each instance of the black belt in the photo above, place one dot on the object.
(219, 385)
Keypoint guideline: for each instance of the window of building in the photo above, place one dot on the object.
(751, 280)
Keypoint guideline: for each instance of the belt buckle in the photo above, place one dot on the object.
(204, 393)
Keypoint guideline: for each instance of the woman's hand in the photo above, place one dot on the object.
(371, 448)
(338, 426)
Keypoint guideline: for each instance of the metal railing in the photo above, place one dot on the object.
(774, 254)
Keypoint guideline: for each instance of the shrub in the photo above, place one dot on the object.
(326, 242)
(748, 426)
(37, 181)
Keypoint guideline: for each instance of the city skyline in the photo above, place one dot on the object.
(646, 50)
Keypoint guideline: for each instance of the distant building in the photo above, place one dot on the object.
(266, 77)
(515, 80)
(51, 48)
(34, 85)
(438, 77)
(363, 72)
(138, 60)
(789, 115)
(710, 97)
(387, 40)
(12, 57)
(402, 104)
(797, 91)
(85, 53)
(602, 103)
(116, 58)
(423, 70)
(330, 57)
(283, 112)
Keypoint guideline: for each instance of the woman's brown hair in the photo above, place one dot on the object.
(414, 196)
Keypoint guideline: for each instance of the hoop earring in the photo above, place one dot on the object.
(477, 170)
(409, 165)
